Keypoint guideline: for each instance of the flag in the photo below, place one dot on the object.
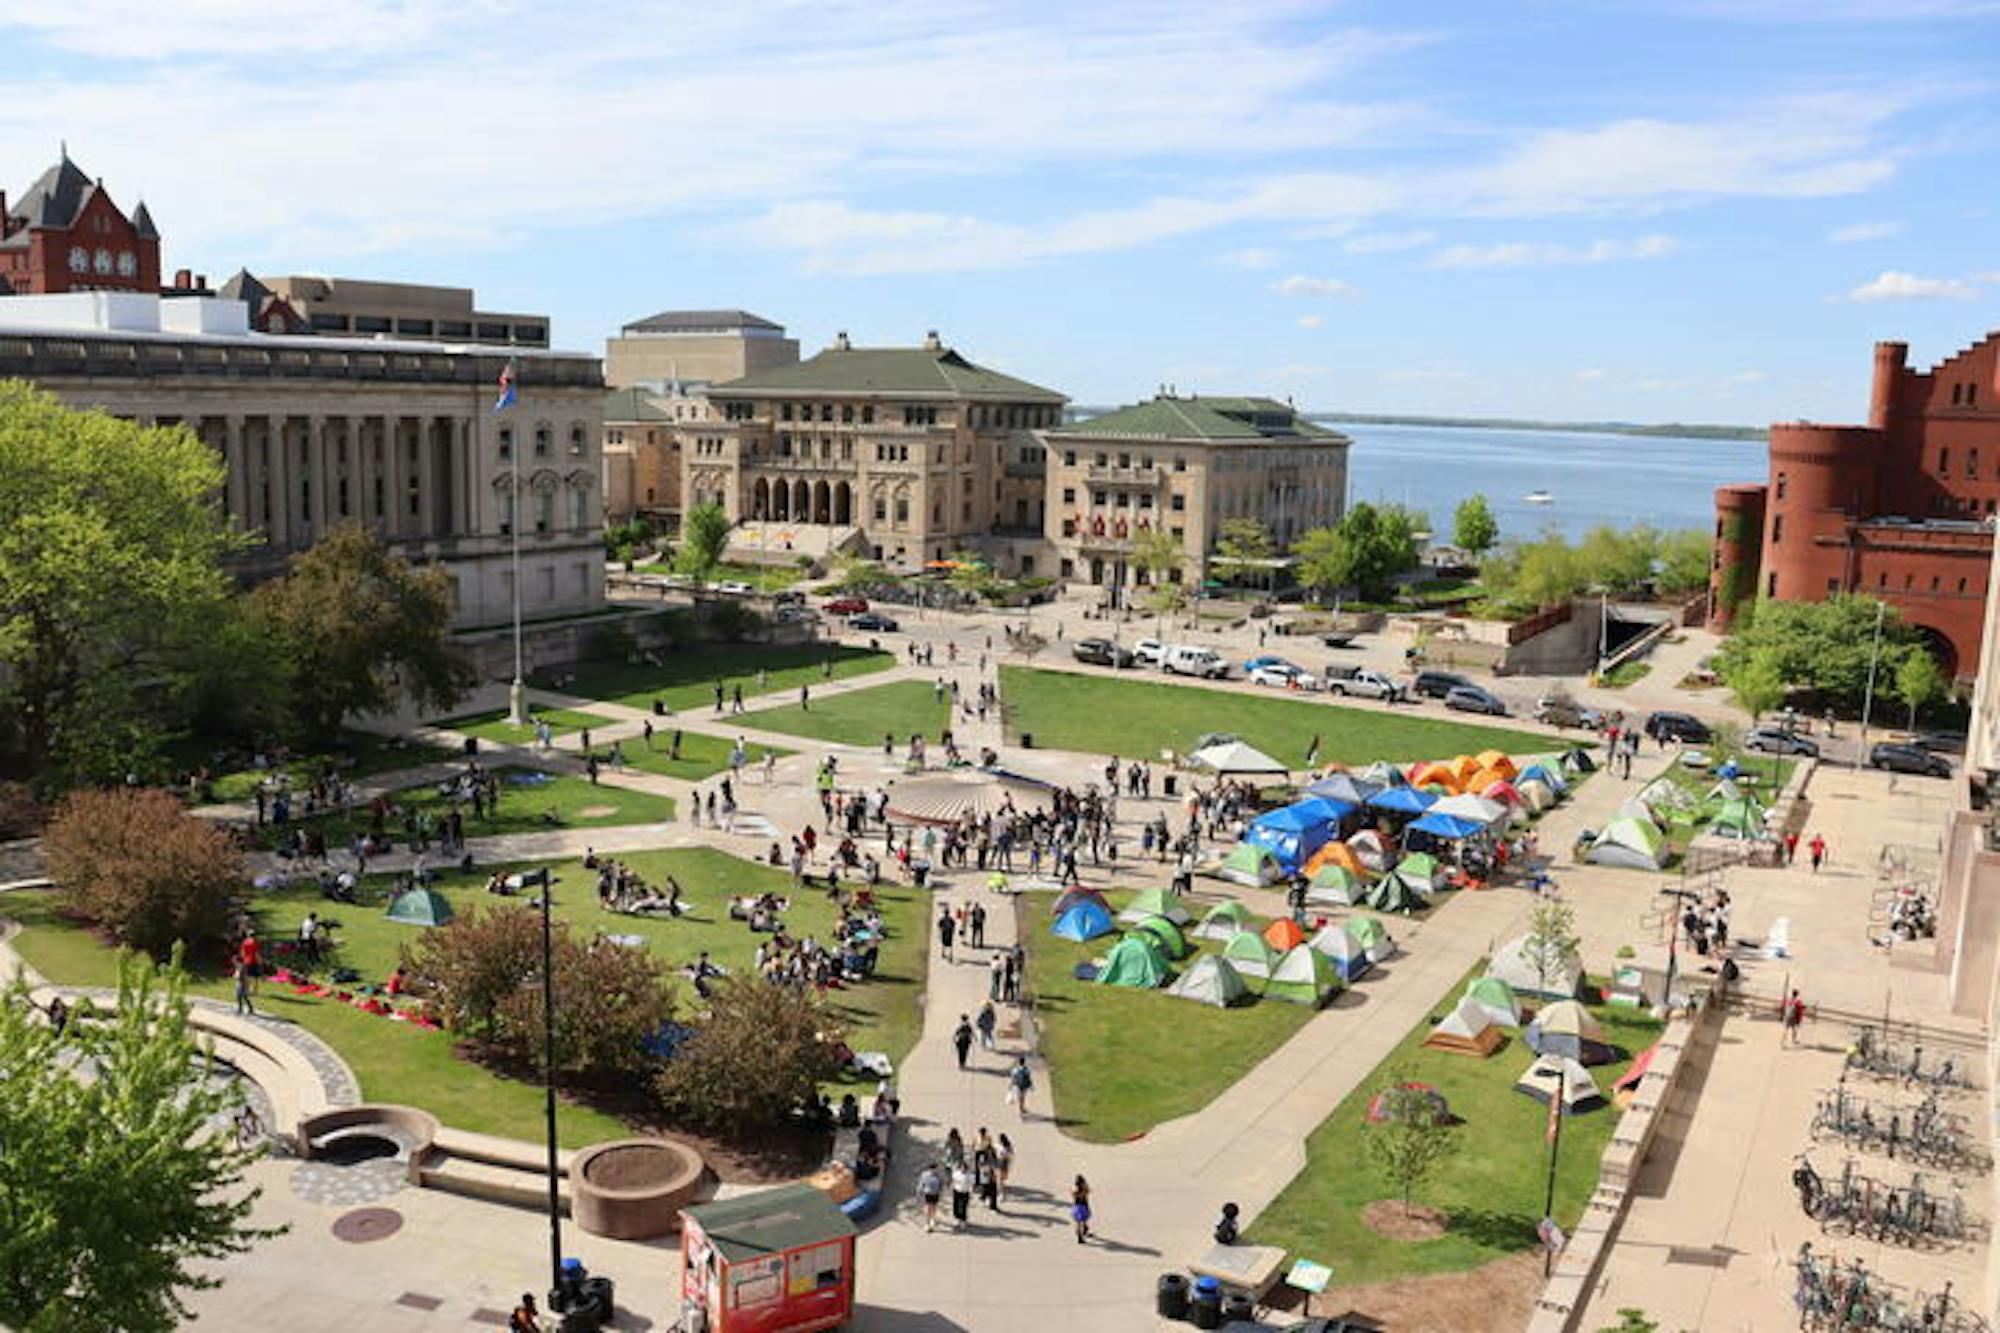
(1312, 752)
(507, 394)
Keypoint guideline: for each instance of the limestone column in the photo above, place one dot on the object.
(278, 471)
(360, 471)
(425, 525)
(393, 475)
(236, 493)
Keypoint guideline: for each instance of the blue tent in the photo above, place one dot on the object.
(1346, 788)
(1403, 800)
(1545, 774)
(1291, 834)
(1085, 921)
(1450, 827)
(1324, 807)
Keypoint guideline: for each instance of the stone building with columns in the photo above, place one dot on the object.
(401, 436)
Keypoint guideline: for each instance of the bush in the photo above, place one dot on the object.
(733, 622)
(470, 965)
(132, 861)
(762, 1050)
(21, 814)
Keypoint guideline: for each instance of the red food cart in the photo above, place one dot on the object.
(777, 1261)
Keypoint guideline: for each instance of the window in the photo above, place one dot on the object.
(1180, 504)
(1069, 458)
(1944, 461)
(1972, 395)
(101, 261)
(1771, 584)
(1069, 495)
(577, 444)
(498, 333)
(847, 414)
(451, 328)
(1957, 390)
(965, 511)
(1180, 465)
(1098, 460)
(902, 509)
(128, 264)
(867, 414)
(1784, 482)
(1178, 533)
(881, 509)
(1961, 585)
(1777, 528)
(1936, 583)
(1972, 463)
(79, 259)
(530, 333)
(506, 443)
(542, 440)
(579, 508)
(371, 324)
(1068, 568)
(1097, 497)
(1124, 460)
(784, 411)
(1832, 587)
(545, 510)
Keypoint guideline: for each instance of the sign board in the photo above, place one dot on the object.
(1308, 1276)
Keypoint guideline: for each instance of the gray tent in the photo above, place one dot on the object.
(1210, 981)
(1579, 1089)
(1515, 964)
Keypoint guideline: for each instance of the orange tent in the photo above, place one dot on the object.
(1499, 763)
(1333, 854)
(1284, 935)
(1484, 778)
(1429, 773)
(1463, 767)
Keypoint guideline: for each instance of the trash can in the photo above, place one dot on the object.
(1027, 740)
(1170, 784)
(659, 708)
(472, 745)
(1239, 1307)
(1173, 1296)
(1206, 1309)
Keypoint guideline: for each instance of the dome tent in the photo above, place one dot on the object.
(1346, 788)
(1085, 921)
(1566, 1028)
(421, 907)
(1134, 961)
(1372, 936)
(1391, 894)
(1634, 844)
(1515, 963)
(1336, 886)
(1335, 853)
(1284, 935)
(1496, 997)
(1249, 954)
(1578, 1089)
(1069, 898)
(1223, 921)
(1250, 865)
(1347, 954)
(1467, 1030)
(1211, 981)
(1155, 902)
(1303, 976)
(1165, 934)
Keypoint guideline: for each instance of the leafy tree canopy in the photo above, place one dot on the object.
(1368, 547)
(1821, 646)
(761, 1052)
(1473, 527)
(704, 535)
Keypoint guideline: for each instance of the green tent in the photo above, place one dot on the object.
(1631, 843)
(1134, 961)
(1372, 935)
(420, 907)
(1303, 976)
(1496, 999)
(1165, 934)
(1223, 921)
(1252, 865)
(1210, 981)
(1419, 871)
(1392, 894)
(1740, 818)
(1336, 885)
(1155, 902)
(1250, 954)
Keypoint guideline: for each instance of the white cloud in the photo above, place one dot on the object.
(1747, 377)
(1896, 285)
(1301, 284)
(1379, 242)
(1516, 254)
(1592, 375)
(1857, 232)
(1252, 257)
(1310, 321)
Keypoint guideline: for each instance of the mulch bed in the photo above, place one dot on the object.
(1495, 1298)
(1390, 1218)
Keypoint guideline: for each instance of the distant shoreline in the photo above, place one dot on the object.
(1692, 432)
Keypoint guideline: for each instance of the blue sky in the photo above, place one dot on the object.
(1700, 210)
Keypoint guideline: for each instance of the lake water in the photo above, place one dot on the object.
(1667, 481)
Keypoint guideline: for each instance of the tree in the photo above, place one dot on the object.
(704, 535)
(1551, 944)
(1473, 527)
(1239, 542)
(116, 1185)
(356, 625)
(761, 1052)
(1757, 682)
(112, 538)
(132, 861)
(1159, 555)
(1412, 1138)
(1919, 680)
(1824, 646)
(1684, 560)
(470, 965)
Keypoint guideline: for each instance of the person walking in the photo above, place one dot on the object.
(946, 927)
(987, 1021)
(996, 985)
(961, 1039)
(1791, 846)
(984, 1178)
(241, 971)
(1079, 1208)
(1020, 1082)
(1794, 1014)
(978, 923)
(1817, 847)
(1003, 1163)
(930, 1188)
(961, 1193)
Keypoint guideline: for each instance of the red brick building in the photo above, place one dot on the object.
(1901, 509)
(66, 235)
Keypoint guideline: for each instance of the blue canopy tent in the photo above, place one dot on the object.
(1452, 828)
(1402, 801)
(1323, 807)
(1292, 834)
(1085, 921)
(1346, 788)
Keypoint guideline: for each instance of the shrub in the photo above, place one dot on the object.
(21, 814)
(474, 962)
(762, 1050)
(132, 861)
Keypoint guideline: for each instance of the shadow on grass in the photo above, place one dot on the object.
(1504, 1232)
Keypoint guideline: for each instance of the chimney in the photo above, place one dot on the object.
(183, 278)
(840, 342)
(932, 343)
(201, 281)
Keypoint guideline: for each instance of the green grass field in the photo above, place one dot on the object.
(1124, 1060)
(494, 726)
(702, 756)
(862, 717)
(686, 680)
(1491, 1191)
(561, 802)
(360, 754)
(1105, 715)
(399, 1062)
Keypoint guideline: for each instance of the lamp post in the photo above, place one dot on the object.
(1868, 697)
(1555, 1136)
(548, 883)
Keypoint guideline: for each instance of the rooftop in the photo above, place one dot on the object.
(1222, 420)
(632, 405)
(932, 369)
(771, 1221)
(703, 321)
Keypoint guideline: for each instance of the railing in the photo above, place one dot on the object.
(1127, 476)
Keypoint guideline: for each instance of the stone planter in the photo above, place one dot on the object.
(633, 1189)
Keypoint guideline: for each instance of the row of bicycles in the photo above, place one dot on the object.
(1871, 1054)
(1915, 1214)
(1923, 1132)
(1831, 1294)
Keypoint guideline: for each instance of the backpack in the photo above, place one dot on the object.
(1021, 1078)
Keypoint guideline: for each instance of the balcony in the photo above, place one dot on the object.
(1149, 477)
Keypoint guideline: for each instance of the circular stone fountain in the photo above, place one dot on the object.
(633, 1189)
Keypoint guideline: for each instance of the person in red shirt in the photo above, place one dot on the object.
(250, 953)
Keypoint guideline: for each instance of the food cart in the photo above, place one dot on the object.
(777, 1261)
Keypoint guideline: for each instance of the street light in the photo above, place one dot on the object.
(548, 883)
(1868, 698)
(1548, 1231)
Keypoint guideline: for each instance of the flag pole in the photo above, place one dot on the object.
(517, 693)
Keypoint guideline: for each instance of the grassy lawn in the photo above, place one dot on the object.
(560, 802)
(1102, 715)
(1491, 1190)
(402, 1062)
(1625, 673)
(360, 754)
(495, 726)
(1762, 777)
(863, 717)
(1124, 1060)
(687, 680)
(701, 755)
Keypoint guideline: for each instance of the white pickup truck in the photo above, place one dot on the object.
(1185, 659)
(1363, 683)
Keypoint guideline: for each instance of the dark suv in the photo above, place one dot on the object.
(1101, 652)
(1437, 684)
(1684, 727)
(1897, 757)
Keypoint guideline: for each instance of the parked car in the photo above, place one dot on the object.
(1186, 659)
(1438, 684)
(1473, 699)
(1101, 652)
(1557, 710)
(794, 614)
(873, 622)
(846, 606)
(1363, 683)
(735, 588)
(1251, 664)
(1149, 652)
(1776, 740)
(789, 597)
(1283, 675)
(1667, 725)
(1940, 742)
(1901, 757)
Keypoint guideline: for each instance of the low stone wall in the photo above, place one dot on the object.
(633, 1189)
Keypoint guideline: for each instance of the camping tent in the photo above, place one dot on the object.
(1578, 761)
(1579, 1089)
(1420, 872)
(1165, 934)
(1133, 961)
(1536, 794)
(1336, 854)
(1426, 775)
(1303, 976)
(1085, 921)
(1235, 757)
(1467, 1030)
(421, 907)
(1155, 902)
(1515, 964)
(1336, 886)
(1548, 774)
(1069, 898)
(1475, 808)
(1345, 952)
(1497, 761)
(1249, 953)
(1222, 921)
(1566, 1028)
(1385, 774)
(1284, 935)
(1402, 801)
(1664, 794)
(1345, 788)
(1496, 997)
(1249, 864)
(1390, 894)
(1368, 849)
(1503, 791)
(1740, 818)
(1210, 981)
(1452, 828)
(1634, 844)
(1291, 834)
(1634, 808)
(1723, 792)
(1372, 936)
